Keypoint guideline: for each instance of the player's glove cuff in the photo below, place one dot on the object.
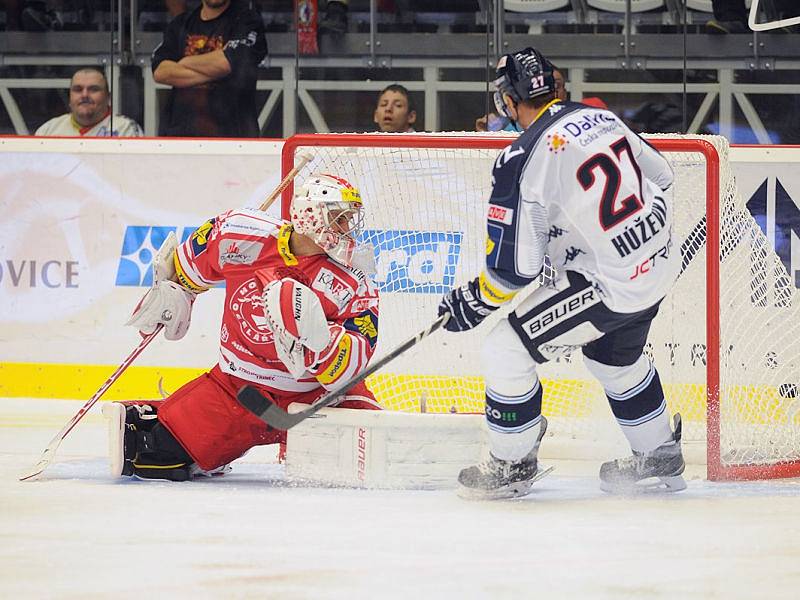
(466, 307)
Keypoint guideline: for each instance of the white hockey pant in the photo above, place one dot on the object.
(513, 394)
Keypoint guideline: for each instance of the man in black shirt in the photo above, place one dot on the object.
(210, 57)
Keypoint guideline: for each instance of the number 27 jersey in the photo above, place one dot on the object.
(581, 187)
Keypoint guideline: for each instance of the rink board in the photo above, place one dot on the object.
(82, 219)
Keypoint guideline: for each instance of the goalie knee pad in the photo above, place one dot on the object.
(141, 446)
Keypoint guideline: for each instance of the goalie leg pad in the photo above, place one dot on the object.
(210, 424)
(140, 446)
(383, 449)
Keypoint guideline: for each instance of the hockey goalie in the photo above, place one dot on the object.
(300, 317)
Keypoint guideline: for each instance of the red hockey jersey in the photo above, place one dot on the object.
(247, 248)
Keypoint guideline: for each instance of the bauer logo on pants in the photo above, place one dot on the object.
(417, 262)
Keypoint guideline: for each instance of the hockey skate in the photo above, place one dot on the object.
(657, 471)
(496, 479)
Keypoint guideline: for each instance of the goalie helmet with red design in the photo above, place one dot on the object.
(329, 210)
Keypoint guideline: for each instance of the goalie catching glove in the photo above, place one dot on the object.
(466, 307)
(303, 337)
(166, 302)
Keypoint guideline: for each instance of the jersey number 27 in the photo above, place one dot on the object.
(612, 210)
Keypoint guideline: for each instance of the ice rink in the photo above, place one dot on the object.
(78, 533)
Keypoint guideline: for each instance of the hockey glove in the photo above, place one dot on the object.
(298, 323)
(167, 303)
(465, 306)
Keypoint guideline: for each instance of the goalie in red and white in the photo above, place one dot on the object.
(300, 317)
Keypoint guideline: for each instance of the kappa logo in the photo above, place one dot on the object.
(416, 262)
(139, 245)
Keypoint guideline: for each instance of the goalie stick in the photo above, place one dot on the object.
(275, 416)
(50, 452)
(303, 160)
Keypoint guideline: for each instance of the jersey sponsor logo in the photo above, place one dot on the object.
(590, 127)
(557, 143)
(500, 214)
(239, 252)
(363, 304)
(140, 243)
(365, 324)
(248, 309)
(339, 364)
(200, 238)
(415, 262)
(643, 268)
(553, 315)
(333, 288)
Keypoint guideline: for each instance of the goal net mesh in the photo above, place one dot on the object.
(425, 216)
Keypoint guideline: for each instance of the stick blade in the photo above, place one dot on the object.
(262, 407)
(33, 473)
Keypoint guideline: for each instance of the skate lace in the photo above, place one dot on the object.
(490, 466)
(635, 462)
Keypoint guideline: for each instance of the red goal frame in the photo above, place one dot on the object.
(716, 471)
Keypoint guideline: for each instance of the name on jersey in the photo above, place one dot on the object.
(333, 288)
(500, 214)
(642, 229)
(590, 127)
(552, 316)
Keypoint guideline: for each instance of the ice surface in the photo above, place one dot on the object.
(77, 533)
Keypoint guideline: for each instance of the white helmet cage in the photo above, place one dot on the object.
(329, 210)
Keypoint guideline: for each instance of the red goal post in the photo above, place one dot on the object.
(428, 191)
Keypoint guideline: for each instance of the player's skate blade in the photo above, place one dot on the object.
(515, 489)
(652, 485)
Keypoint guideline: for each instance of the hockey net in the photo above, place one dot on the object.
(726, 340)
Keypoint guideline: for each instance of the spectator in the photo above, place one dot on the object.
(395, 112)
(730, 16)
(335, 19)
(495, 122)
(90, 110)
(210, 57)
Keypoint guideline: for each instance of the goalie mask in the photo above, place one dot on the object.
(522, 75)
(329, 210)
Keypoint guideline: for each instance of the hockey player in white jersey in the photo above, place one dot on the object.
(579, 187)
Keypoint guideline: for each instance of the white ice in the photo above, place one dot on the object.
(78, 533)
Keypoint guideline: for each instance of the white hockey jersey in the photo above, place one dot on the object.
(583, 189)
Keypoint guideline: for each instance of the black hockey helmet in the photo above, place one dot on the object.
(523, 75)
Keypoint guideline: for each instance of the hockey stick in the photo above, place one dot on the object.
(302, 162)
(50, 452)
(275, 416)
